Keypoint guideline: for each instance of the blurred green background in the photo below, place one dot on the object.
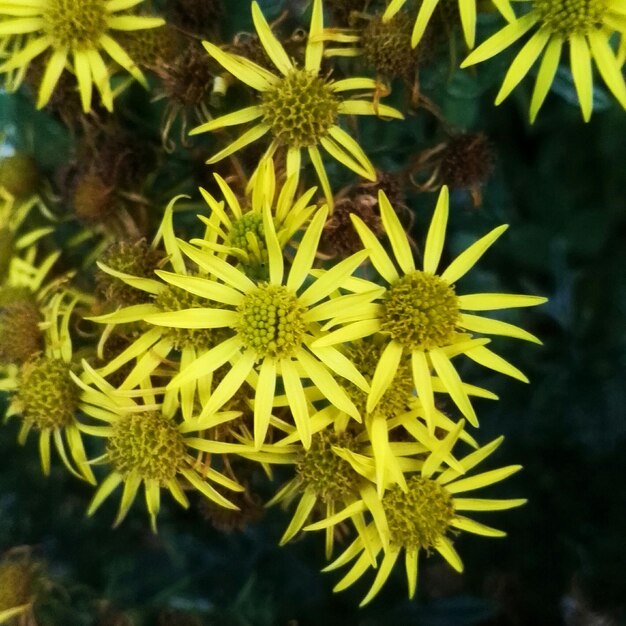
(561, 184)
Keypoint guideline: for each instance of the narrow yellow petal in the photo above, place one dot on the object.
(392, 8)
(437, 233)
(337, 518)
(380, 259)
(194, 318)
(341, 365)
(303, 261)
(411, 563)
(250, 136)
(364, 107)
(523, 62)
(54, 69)
(270, 43)
(120, 56)
(482, 480)
(318, 164)
(468, 20)
(241, 116)
(484, 356)
(545, 75)
(448, 374)
(446, 549)
(389, 560)
(385, 371)
(607, 64)
(297, 400)
(203, 287)
(488, 326)
(303, 510)
(501, 40)
(315, 46)
(109, 484)
(480, 504)
(580, 59)
(471, 526)
(424, 387)
(396, 233)
(423, 17)
(263, 400)
(131, 486)
(494, 301)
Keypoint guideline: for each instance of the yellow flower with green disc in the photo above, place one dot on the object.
(584, 27)
(297, 106)
(275, 323)
(421, 314)
(467, 10)
(44, 395)
(421, 517)
(147, 445)
(73, 33)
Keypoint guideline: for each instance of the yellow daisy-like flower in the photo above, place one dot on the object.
(145, 444)
(44, 395)
(297, 106)
(275, 323)
(421, 314)
(420, 518)
(156, 344)
(240, 234)
(586, 26)
(75, 32)
(467, 10)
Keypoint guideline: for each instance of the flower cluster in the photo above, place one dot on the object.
(163, 352)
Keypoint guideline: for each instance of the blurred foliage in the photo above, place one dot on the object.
(561, 185)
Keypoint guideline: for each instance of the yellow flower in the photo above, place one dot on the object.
(44, 395)
(586, 26)
(275, 321)
(155, 344)
(75, 32)
(297, 106)
(419, 518)
(241, 235)
(421, 314)
(145, 444)
(467, 10)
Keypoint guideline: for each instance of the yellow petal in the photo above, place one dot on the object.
(270, 43)
(396, 233)
(494, 301)
(436, 233)
(545, 75)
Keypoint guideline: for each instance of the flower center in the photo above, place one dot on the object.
(247, 234)
(47, 393)
(78, 24)
(569, 17)
(419, 517)
(300, 108)
(148, 444)
(321, 469)
(421, 311)
(176, 299)
(271, 321)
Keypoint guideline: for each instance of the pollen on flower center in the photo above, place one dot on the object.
(271, 321)
(148, 444)
(300, 108)
(176, 299)
(78, 24)
(47, 394)
(568, 17)
(321, 469)
(419, 517)
(420, 311)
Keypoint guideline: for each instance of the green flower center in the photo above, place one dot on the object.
(271, 322)
(300, 108)
(176, 299)
(320, 468)
(148, 444)
(47, 393)
(78, 24)
(568, 17)
(19, 332)
(247, 233)
(16, 583)
(419, 517)
(365, 356)
(421, 311)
